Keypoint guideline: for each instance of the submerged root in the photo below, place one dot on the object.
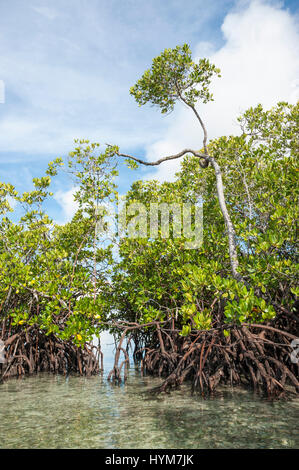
(115, 374)
(256, 356)
(246, 357)
(30, 351)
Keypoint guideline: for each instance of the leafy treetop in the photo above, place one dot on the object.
(174, 76)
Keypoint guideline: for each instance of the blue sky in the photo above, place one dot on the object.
(67, 67)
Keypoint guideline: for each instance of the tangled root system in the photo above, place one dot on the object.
(257, 356)
(30, 351)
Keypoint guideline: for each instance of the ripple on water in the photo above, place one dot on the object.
(47, 411)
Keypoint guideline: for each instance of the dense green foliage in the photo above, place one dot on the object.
(55, 276)
(160, 279)
(174, 76)
(64, 278)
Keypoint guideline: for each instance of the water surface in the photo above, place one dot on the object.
(47, 411)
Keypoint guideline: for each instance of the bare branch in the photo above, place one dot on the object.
(205, 133)
(234, 263)
(202, 156)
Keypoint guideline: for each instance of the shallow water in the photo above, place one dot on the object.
(47, 411)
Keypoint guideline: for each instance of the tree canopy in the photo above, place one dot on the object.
(64, 282)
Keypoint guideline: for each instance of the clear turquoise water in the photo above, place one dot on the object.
(47, 411)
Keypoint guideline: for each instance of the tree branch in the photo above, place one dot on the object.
(221, 198)
(234, 263)
(170, 157)
(205, 134)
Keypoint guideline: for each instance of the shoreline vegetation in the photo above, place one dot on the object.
(225, 312)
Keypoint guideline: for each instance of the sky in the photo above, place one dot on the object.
(66, 69)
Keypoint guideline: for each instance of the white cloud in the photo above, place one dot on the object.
(259, 63)
(2, 91)
(66, 200)
(49, 13)
(65, 82)
(68, 67)
(12, 202)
